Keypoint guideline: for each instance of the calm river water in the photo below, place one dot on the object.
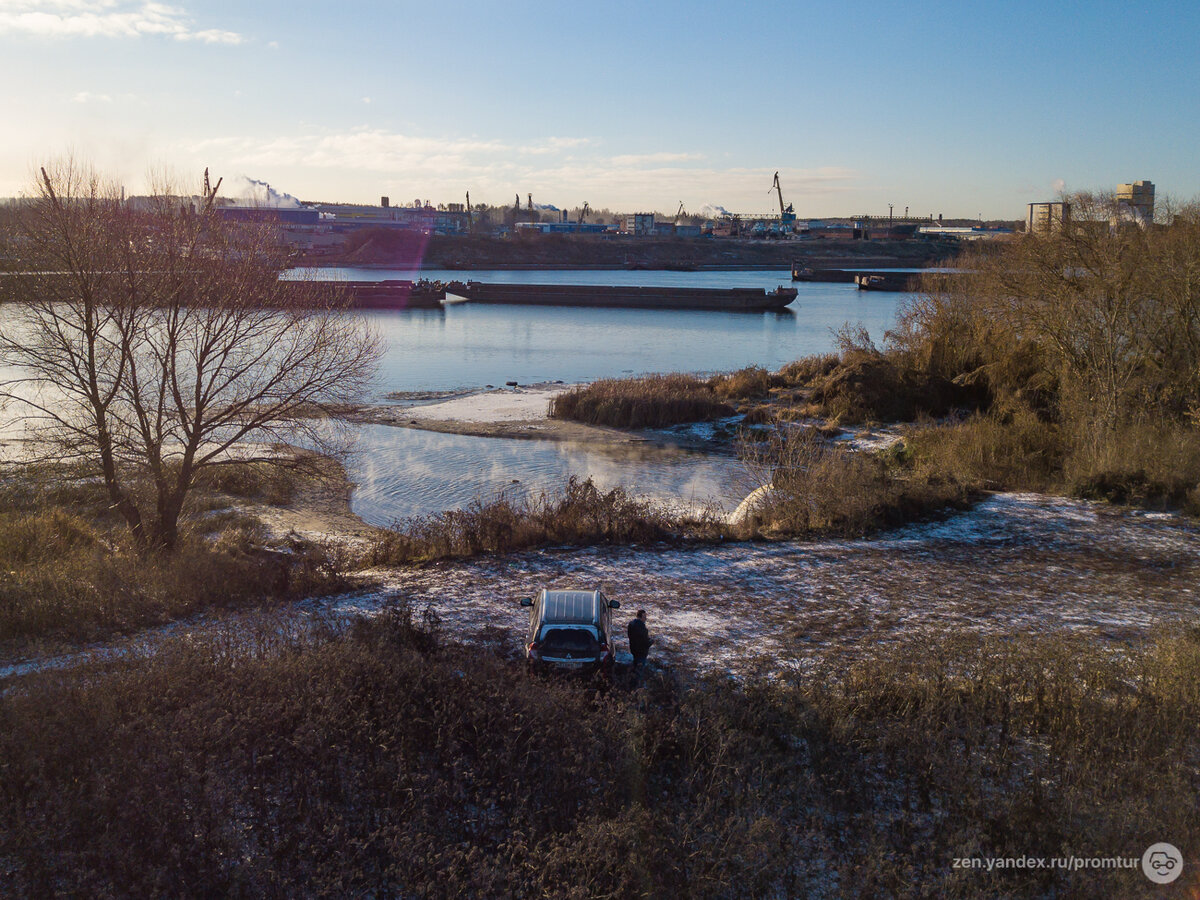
(401, 472)
(471, 345)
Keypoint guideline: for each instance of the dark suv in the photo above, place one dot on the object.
(570, 631)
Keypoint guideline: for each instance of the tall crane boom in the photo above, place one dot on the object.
(779, 189)
(787, 214)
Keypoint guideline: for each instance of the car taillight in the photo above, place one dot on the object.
(531, 650)
(604, 651)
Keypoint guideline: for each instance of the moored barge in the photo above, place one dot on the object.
(596, 295)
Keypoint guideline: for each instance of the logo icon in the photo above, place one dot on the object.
(1162, 863)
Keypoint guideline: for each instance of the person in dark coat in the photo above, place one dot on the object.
(639, 640)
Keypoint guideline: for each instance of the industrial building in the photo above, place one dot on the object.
(420, 216)
(1047, 217)
(1135, 202)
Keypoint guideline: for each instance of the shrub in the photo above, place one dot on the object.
(1020, 452)
(815, 487)
(384, 760)
(651, 401)
(580, 514)
(872, 387)
(744, 384)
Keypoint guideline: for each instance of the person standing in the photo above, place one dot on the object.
(639, 641)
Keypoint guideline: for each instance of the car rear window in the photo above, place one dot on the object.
(576, 640)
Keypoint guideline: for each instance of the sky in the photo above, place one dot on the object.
(956, 108)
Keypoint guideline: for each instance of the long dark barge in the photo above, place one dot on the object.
(866, 280)
(596, 295)
(395, 294)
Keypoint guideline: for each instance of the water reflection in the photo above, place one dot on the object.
(402, 472)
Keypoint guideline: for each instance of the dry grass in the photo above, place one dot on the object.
(384, 761)
(70, 572)
(61, 579)
(872, 387)
(651, 401)
(750, 383)
(580, 514)
(1145, 464)
(1020, 453)
(817, 488)
(1151, 464)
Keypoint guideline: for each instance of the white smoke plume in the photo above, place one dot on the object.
(245, 191)
(713, 211)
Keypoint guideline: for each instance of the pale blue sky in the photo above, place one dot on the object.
(960, 108)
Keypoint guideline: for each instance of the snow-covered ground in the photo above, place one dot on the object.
(520, 404)
(1014, 563)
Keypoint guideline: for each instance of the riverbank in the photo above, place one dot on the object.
(411, 249)
(520, 412)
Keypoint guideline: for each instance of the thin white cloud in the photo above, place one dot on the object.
(89, 97)
(560, 170)
(642, 159)
(105, 18)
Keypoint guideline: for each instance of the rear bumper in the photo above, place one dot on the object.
(582, 667)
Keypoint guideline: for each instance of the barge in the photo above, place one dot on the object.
(720, 299)
(395, 294)
(390, 294)
(887, 281)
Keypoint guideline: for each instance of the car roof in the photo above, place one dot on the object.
(571, 607)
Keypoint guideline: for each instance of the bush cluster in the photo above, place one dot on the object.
(579, 514)
(384, 761)
(650, 401)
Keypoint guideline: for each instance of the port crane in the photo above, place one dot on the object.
(787, 216)
(583, 214)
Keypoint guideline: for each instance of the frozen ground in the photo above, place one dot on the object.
(521, 404)
(1015, 563)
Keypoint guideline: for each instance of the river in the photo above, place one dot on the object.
(472, 345)
(401, 472)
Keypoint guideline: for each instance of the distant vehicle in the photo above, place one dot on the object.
(570, 631)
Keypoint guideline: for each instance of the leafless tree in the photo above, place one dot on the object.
(154, 341)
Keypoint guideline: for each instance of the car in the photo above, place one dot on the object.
(570, 631)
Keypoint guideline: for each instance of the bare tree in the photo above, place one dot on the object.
(155, 341)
